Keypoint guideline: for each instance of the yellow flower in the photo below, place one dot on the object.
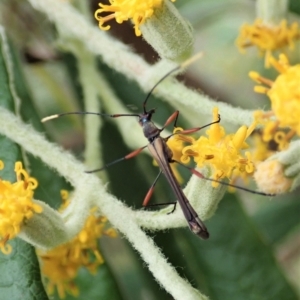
(61, 264)
(284, 94)
(267, 37)
(123, 10)
(220, 151)
(176, 143)
(16, 205)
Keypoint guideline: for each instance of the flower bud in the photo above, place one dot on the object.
(168, 33)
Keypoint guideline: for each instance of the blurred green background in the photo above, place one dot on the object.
(253, 252)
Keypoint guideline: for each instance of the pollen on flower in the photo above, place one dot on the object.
(284, 94)
(270, 177)
(220, 151)
(268, 37)
(61, 264)
(124, 10)
(16, 205)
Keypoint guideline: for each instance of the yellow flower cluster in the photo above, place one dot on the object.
(123, 10)
(61, 264)
(284, 94)
(266, 37)
(220, 151)
(16, 205)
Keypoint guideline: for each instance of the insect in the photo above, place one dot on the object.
(163, 155)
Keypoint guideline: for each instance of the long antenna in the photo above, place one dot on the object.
(86, 113)
(181, 66)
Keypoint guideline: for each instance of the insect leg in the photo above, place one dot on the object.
(200, 175)
(128, 156)
(174, 117)
(150, 192)
(151, 189)
(192, 130)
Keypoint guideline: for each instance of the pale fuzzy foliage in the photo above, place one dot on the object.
(89, 190)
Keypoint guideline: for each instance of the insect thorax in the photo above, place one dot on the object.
(150, 130)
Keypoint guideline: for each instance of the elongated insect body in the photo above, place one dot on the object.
(163, 156)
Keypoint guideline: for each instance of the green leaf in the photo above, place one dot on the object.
(279, 218)
(50, 183)
(20, 276)
(9, 152)
(294, 6)
(236, 262)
